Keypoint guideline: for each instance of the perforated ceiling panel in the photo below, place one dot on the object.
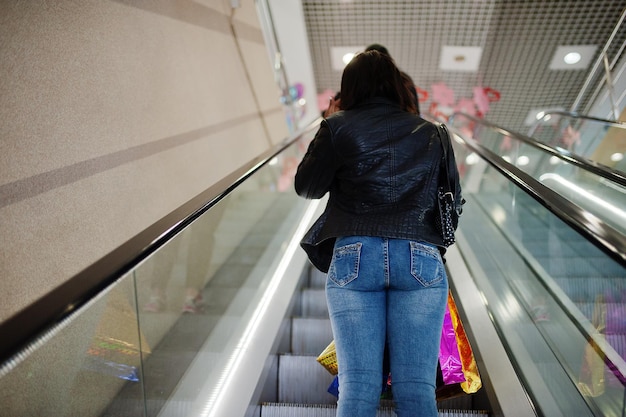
(518, 41)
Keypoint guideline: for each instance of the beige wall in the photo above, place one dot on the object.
(113, 113)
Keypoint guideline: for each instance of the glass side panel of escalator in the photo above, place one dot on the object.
(601, 141)
(150, 340)
(558, 301)
(601, 196)
(79, 367)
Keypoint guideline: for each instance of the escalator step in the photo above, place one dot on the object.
(317, 279)
(324, 410)
(309, 410)
(301, 379)
(310, 336)
(314, 303)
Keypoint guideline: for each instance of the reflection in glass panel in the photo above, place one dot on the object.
(601, 196)
(556, 298)
(82, 363)
(600, 141)
(196, 294)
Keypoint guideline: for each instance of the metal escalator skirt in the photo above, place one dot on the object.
(300, 410)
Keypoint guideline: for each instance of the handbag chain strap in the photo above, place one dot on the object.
(444, 139)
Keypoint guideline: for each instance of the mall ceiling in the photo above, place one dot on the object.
(512, 43)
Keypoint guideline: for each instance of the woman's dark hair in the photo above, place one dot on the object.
(378, 47)
(373, 74)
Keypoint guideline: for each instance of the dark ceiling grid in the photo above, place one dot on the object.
(518, 38)
(529, 44)
(533, 35)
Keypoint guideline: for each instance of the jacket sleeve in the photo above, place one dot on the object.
(316, 171)
(453, 173)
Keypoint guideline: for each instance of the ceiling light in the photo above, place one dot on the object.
(472, 159)
(523, 160)
(498, 215)
(616, 157)
(541, 114)
(572, 58)
(347, 57)
(554, 160)
(460, 58)
(339, 55)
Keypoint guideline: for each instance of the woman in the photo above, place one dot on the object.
(377, 238)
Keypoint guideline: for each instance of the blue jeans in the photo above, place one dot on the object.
(390, 290)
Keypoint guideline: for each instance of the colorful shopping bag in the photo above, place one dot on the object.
(450, 363)
(457, 372)
(472, 381)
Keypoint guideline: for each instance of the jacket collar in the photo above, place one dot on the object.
(378, 100)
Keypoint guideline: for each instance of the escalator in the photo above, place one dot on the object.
(538, 282)
(549, 257)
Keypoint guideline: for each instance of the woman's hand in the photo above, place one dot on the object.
(333, 107)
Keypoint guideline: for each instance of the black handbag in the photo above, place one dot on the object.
(448, 218)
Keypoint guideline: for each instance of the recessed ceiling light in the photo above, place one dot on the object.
(616, 157)
(460, 58)
(339, 54)
(472, 159)
(572, 58)
(348, 57)
(541, 114)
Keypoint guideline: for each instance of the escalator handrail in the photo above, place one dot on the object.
(575, 115)
(598, 169)
(602, 235)
(25, 327)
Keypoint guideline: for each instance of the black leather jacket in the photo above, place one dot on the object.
(380, 165)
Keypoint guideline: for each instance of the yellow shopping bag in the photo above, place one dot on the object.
(328, 358)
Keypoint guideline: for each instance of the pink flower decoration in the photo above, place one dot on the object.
(465, 105)
(442, 94)
(571, 137)
(323, 99)
(506, 144)
(481, 100)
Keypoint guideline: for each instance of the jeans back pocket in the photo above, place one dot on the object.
(426, 264)
(344, 266)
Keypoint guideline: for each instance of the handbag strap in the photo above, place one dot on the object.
(444, 139)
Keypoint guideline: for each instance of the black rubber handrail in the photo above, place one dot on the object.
(598, 169)
(574, 115)
(606, 238)
(23, 328)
